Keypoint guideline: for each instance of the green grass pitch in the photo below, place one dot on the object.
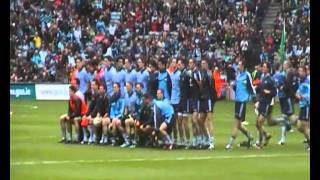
(35, 153)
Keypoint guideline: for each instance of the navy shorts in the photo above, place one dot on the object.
(193, 105)
(176, 108)
(286, 105)
(304, 114)
(183, 106)
(264, 109)
(240, 111)
(206, 106)
(169, 125)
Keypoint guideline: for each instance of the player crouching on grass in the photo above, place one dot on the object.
(87, 120)
(151, 121)
(167, 112)
(117, 105)
(76, 109)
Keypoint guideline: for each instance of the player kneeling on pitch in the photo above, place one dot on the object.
(167, 113)
(151, 123)
(76, 109)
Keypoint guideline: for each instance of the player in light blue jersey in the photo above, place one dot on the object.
(117, 105)
(303, 94)
(167, 113)
(142, 74)
(107, 77)
(130, 72)
(175, 101)
(84, 76)
(119, 75)
(130, 109)
(164, 80)
(243, 92)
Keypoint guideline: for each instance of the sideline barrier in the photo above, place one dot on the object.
(39, 91)
(22, 91)
(52, 91)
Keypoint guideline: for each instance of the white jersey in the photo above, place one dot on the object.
(80, 95)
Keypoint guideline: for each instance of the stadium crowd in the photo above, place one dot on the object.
(134, 63)
(47, 36)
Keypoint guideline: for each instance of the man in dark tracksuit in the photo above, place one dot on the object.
(153, 79)
(102, 119)
(91, 114)
(266, 91)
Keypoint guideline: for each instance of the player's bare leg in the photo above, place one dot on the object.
(209, 130)
(195, 128)
(203, 134)
(185, 121)
(69, 131)
(180, 128)
(175, 128)
(62, 122)
(105, 123)
(165, 136)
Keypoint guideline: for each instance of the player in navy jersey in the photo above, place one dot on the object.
(153, 79)
(266, 91)
(287, 84)
(194, 79)
(206, 105)
(91, 115)
(183, 120)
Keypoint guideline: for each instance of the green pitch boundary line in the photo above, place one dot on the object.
(157, 159)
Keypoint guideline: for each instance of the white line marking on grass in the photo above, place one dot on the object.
(31, 137)
(158, 159)
(24, 105)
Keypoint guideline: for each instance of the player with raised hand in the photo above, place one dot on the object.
(194, 79)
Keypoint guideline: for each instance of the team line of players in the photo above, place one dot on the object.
(133, 107)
